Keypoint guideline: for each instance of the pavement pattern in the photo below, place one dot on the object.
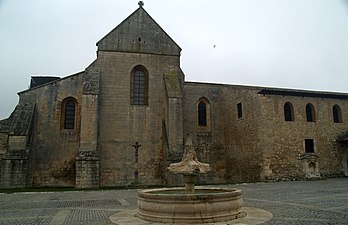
(295, 202)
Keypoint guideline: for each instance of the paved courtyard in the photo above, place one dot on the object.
(302, 202)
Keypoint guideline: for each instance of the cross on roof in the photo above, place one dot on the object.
(140, 3)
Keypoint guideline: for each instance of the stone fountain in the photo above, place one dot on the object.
(189, 205)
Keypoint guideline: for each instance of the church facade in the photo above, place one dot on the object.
(125, 118)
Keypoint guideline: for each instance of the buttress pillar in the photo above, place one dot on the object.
(87, 160)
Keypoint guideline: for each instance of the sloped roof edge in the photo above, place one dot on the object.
(280, 91)
(41, 80)
(140, 8)
(48, 83)
(303, 93)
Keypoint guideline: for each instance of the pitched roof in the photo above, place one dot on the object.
(40, 81)
(303, 93)
(36, 81)
(139, 33)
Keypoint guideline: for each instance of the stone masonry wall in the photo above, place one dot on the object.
(4, 129)
(230, 144)
(283, 142)
(3, 142)
(242, 134)
(16, 173)
(121, 124)
(260, 145)
(54, 149)
(209, 140)
(3, 147)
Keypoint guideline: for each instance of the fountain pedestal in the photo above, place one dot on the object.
(189, 180)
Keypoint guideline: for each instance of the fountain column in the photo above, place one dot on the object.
(189, 180)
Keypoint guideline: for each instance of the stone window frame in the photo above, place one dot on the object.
(68, 122)
(337, 114)
(139, 86)
(203, 123)
(289, 115)
(310, 113)
(309, 146)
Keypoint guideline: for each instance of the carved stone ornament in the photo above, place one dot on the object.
(189, 163)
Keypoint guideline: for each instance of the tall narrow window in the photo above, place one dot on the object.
(310, 113)
(309, 146)
(288, 112)
(68, 113)
(337, 114)
(139, 86)
(202, 114)
(239, 110)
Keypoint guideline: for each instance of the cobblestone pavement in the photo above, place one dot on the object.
(303, 202)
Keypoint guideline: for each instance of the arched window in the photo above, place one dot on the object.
(202, 114)
(310, 113)
(68, 113)
(288, 112)
(337, 114)
(139, 86)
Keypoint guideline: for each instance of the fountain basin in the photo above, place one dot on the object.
(206, 205)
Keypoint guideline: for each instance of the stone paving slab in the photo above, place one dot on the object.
(297, 202)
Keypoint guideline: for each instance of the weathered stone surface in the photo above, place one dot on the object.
(91, 81)
(87, 169)
(189, 164)
(171, 205)
(283, 142)
(139, 33)
(14, 168)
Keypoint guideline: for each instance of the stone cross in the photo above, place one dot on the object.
(136, 173)
(141, 4)
(136, 147)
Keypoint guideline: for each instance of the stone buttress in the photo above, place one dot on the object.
(15, 166)
(87, 160)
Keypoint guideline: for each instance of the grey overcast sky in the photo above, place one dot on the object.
(300, 44)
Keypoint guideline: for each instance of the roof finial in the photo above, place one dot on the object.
(141, 3)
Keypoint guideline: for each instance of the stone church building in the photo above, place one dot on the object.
(125, 118)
